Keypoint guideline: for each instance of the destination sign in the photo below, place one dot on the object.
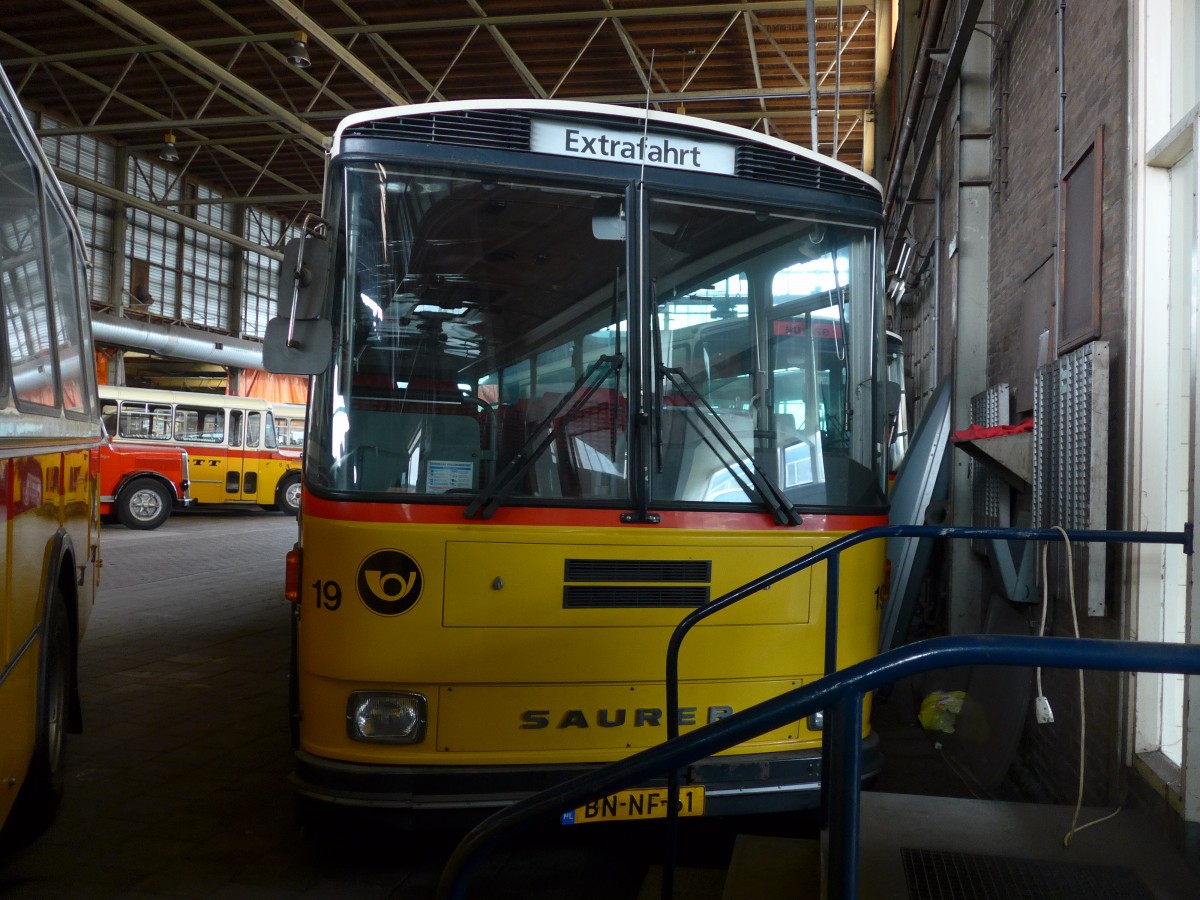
(668, 151)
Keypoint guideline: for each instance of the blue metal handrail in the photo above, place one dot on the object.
(832, 551)
(842, 693)
(840, 762)
(831, 554)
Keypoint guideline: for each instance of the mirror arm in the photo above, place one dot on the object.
(316, 226)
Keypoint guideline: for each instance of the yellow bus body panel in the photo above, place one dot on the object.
(513, 677)
(44, 492)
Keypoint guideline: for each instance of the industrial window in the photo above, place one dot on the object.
(261, 279)
(97, 161)
(207, 264)
(153, 238)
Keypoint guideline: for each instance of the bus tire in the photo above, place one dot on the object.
(144, 504)
(288, 494)
(42, 790)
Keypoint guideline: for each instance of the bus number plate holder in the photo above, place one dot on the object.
(636, 804)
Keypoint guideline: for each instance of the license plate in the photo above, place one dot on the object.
(640, 803)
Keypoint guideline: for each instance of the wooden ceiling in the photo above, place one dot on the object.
(215, 74)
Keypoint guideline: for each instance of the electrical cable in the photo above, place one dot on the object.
(1075, 826)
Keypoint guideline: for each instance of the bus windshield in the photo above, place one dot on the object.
(492, 344)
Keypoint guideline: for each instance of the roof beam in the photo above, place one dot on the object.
(506, 48)
(206, 65)
(339, 51)
(384, 47)
(170, 215)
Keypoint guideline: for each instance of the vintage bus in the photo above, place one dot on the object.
(289, 426)
(579, 369)
(233, 454)
(49, 444)
(140, 483)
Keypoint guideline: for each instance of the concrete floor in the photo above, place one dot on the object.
(178, 787)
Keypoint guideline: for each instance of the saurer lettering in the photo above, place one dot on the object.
(613, 718)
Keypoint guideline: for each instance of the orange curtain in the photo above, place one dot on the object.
(274, 388)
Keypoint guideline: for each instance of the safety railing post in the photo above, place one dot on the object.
(843, 734)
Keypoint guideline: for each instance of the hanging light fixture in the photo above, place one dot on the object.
(297, 54)
(168, 152)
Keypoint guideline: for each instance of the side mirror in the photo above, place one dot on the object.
(308, 351)
(303, 276)
(608, 219)
(298, 341)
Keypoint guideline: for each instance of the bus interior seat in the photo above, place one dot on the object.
(688, 461)
(588, 442)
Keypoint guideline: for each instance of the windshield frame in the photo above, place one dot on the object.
(638, 342)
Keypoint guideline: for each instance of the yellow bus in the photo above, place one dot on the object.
(49, 462)
(233, 452)
(289, 426)
(579, 370)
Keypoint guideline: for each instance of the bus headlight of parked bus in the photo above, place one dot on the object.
(386, 717)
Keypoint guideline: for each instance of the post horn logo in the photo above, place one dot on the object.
(389, 582)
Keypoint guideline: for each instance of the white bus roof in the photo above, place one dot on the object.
(151, 395)
(596, 109)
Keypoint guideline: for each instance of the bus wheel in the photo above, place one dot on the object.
(43, 787)
(144, 505)
(289, 495)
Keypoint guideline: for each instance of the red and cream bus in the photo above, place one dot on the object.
(49, 447)
(233, 453)
(140, 484)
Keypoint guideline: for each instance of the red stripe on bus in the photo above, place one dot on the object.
(701, 520)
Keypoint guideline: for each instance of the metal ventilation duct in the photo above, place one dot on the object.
(177, 342)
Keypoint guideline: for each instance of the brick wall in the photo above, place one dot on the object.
(1024, 234)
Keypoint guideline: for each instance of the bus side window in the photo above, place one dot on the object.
(25, 278)
(235, 428)
(253, 428)
(108, 414)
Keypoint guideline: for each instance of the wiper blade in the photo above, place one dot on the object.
(487, 501)
(766, 488)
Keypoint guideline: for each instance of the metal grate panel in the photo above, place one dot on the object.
(1070, 456)
(670, 570)
(989, 493)
(496, 129)
(622, 596)
(769, 164)
(943, 875)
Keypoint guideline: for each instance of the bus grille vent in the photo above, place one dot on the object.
(689, 570)
(621, 596)
(769, 164)
(495, 129)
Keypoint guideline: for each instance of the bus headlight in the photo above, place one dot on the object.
(386, 717)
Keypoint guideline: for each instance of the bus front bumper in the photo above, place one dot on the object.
(733, 785)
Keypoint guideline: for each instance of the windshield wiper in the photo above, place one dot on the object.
(489, 499)
(766, 488)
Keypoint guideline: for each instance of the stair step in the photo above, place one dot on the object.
(761, 868)
(690, 883)
(766, 868)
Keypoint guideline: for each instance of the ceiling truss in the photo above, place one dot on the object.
(214, 72)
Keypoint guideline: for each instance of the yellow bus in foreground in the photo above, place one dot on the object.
(579, 369)
(233, 452)
(49, 485)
